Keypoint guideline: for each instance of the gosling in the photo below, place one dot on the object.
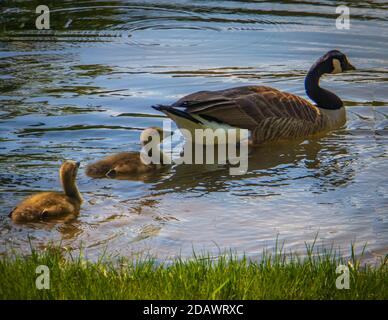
(46, 205)
(126, 164)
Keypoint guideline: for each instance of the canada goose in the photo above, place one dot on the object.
(267, 113)
(52, 204)
(128, 163)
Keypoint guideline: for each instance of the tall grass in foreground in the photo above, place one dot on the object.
(276, 276)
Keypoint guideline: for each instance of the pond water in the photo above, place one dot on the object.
(83, 90)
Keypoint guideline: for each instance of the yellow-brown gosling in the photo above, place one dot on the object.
(47, 205)
(128, 163)
(268, 114)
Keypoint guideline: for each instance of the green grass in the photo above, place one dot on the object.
(276, 276)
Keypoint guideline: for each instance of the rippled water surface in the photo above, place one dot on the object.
(83, 90)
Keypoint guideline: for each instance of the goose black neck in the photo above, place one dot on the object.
(322, 97)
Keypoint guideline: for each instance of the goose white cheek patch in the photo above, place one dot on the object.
(336, 66)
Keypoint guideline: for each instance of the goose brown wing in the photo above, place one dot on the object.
(249, 107)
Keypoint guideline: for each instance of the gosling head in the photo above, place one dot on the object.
(68, 171)
(153, 133)
(333, 62)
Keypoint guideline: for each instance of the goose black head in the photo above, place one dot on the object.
(333, 62)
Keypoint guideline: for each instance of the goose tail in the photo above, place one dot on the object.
(176, 114)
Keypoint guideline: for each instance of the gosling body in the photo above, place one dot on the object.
(126, 164)
(120, 164)
(47, 205)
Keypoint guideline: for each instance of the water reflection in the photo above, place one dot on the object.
(324, 166)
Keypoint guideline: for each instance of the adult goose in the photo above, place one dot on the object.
(45, 205)
(268, 114)
(125, 164)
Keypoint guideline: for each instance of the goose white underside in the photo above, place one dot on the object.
(214, 136)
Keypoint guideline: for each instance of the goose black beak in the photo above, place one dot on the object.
(350, 67)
